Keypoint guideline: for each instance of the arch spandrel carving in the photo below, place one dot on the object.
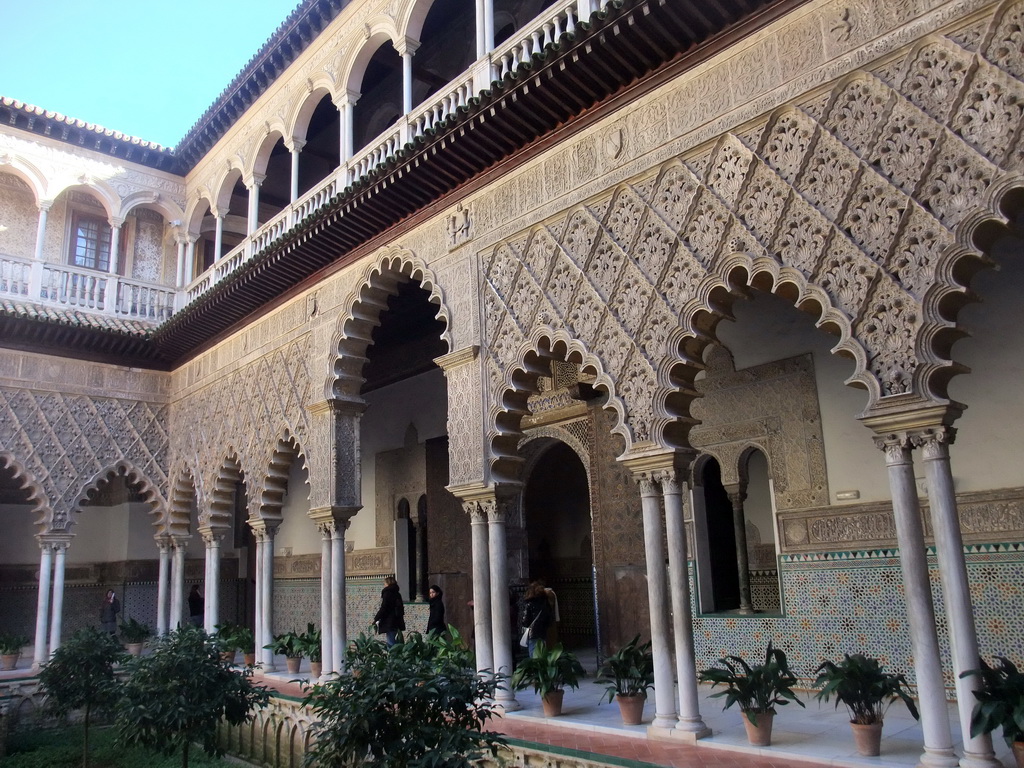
(33, 490)
(857, 215)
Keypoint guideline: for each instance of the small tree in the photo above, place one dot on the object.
(418, 704)
(80, 675)
(179, 693)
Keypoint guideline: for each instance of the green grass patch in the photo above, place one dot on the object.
(62, 748)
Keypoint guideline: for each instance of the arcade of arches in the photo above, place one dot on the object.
(714, 386)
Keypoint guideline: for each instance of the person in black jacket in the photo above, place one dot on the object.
(390, 617)
(537, 617)
(435, 622)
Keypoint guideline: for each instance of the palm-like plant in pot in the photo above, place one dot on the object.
(10, 649)
(627, 676)
(1000, 703)
(549, 671)
(312, 646)
(134, 634)
(756, 689)
(289, 645)
(867, 691)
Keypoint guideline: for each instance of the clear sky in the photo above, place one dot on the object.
(146, 69)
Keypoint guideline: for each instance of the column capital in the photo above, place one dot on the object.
(116, 221)
(336, 516)
(935, 441)
(337, 406)
(254, 180)
(406, 45)
(163, 543)
(458, 358)
(346, 98)
(672, 479)
(212, 537)
(294, 145)
(54, 541)
(44, 205)
(263, 530)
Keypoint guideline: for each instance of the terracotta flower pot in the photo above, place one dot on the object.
(552, 703)
(631, 708)
(9, 660)
(1018, 753)
(134, 649)
(228, 656)
(249, 659)
(293, 663)
(759, 734)
(868, 738)
(316, 669)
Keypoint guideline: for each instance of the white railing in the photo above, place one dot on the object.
(143, 301)
(545, 29)
(315, 198)
(74, 287)
(14, 276)
(442, 105)
(377, 151)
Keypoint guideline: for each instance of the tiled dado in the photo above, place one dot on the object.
(845, 602)
(984, 516)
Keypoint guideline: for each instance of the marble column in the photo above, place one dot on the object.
(218, 238)
(179, 244)
(177, 584)
(938, 740)
(501, 630)
(657, 595)
(258, 608)
(35, 278)
(115, 247)
(190, 260)
(253, 221)
(481, 587)
(956, 590)
(739, 526)
(339, 599)
(326, 607)
(60, 549)
(212, 589)
(690, 721)
(42, 603)
(407, 78)
(162, 585)
(295, 149)
(265, 587)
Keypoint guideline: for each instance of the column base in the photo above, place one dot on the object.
(938, 758)
(979, 760)
(667, 722)
(675, 734)
(507, 705)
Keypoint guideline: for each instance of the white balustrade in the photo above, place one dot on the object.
(375, 153)
(199, 286)
(442, 105)
(235, 258)
(14, 276)
(74, 287)
(546, 29)
(138, 300)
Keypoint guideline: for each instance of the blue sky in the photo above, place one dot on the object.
(146, 69)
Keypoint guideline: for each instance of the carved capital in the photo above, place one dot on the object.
(935, 442)
(896, 446)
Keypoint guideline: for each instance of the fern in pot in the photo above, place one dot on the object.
(549, 671)
(757, 689)
(867, 691)
(627, 676)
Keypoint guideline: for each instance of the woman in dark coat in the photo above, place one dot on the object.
(390, 617)
(537, 616)
(435, 622)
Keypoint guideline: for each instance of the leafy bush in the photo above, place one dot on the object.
(756, 689)
(859, 682)
(548, 669)
(80, 675)
(179, 693)
(418, 704)
(312, 643)
(50, 749)
(629, 671)
(133, 631)
(11, 644)
(1001, 701)
(288, 644)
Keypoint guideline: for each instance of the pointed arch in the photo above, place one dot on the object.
(393, 266)
(184, 494)
(149, 491)
(221, 499)
(274, 483)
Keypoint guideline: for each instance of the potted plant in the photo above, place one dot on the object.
(10, 649)
(756, 689)
(228, 640)
(860, 683)
(134, 634)
(247, 644)
(1000, 703)
(548, 671)
(627, 676)
(289, 645)
(312, 647)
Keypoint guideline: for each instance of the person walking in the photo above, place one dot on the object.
(108, 612)
(537, 616)
(390, 617)
(435, 621)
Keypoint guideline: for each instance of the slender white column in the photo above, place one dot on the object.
(162, 587)
(177, 584)
(212, 607)
(657, 594)
(42, 603)
(207, 560)
(190, 260)
(254, 205)
(347, 124)
(294, 193)
(407, 82)
(218, 238)
(60, 548)
(481, 588)
(261, 640)
(584, 9)
(339, 602)
(180, 244)
(501, 632)
(938, 741)
(482, 45)
(690, 720)
(956, 591)
(35, 279)
(488, 26)
(115, 244)
(326, 608)
(739, 527)
(267, 595)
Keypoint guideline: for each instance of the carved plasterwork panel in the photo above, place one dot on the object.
(773, 407)
(245, 412)
(858, 198)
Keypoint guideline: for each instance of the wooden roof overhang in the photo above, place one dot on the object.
(626, 50)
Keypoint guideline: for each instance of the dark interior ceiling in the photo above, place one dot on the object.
(407, 339)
